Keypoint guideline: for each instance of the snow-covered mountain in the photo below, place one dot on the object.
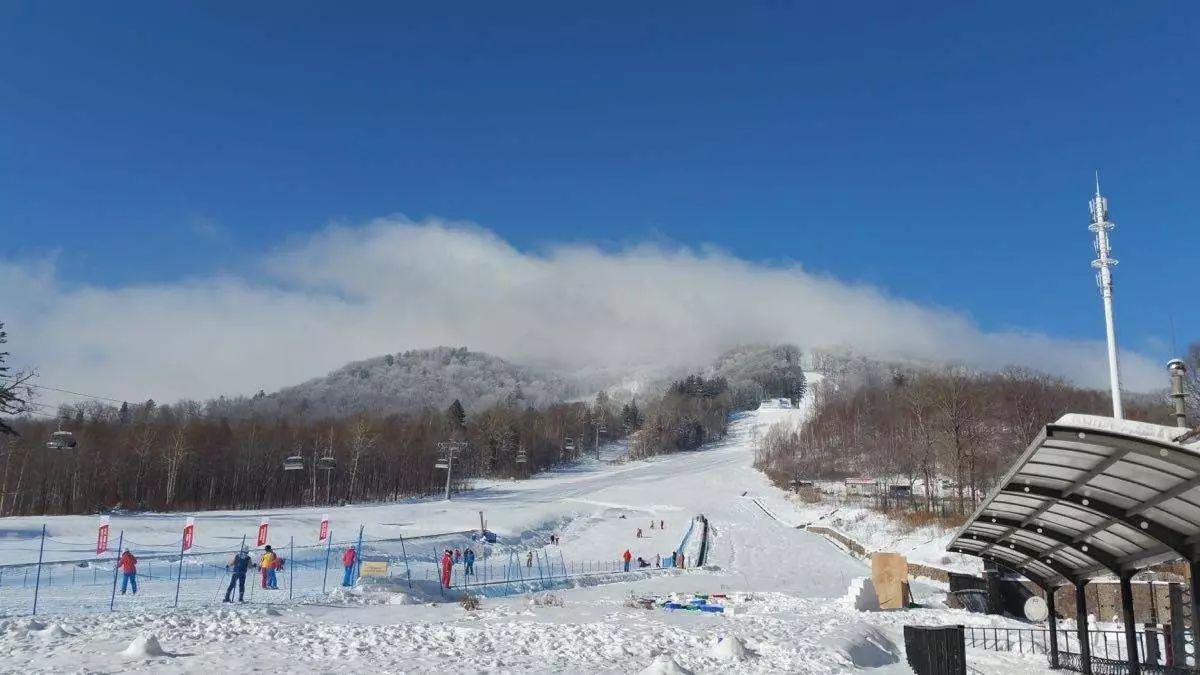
(417, 379)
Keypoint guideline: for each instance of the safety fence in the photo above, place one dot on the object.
(1107, 648)
(202, 575)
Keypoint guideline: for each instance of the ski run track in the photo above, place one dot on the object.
(793, 610)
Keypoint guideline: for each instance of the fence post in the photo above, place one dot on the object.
(563, 562)
(328, 548)
(179, 576)
(407, 571)
(38, 580)
(112, 601)
(358, 556)
(291, 564)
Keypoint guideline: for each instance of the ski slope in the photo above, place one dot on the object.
(792, 617)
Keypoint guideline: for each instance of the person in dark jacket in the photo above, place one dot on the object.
(349, 557)
(468, 562)
(238, 566)
(128, 565)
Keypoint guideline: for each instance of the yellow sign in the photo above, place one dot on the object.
(373, 568)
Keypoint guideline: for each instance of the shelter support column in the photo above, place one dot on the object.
(1131, 639)
(1194, 568)
(1053, 626)
(1081, 623)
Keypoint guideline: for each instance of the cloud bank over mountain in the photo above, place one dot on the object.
(348, 293)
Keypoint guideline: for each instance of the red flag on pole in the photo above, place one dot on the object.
(102, 536)
(324, 533)
(189, 531)
(262, 532)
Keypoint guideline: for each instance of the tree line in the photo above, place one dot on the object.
(925, 425)
(180, 457)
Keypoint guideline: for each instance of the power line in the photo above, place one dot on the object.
(183, 410)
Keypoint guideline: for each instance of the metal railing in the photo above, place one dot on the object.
(1108, 650)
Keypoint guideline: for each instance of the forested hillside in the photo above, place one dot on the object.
(407, 382)
(931, 423)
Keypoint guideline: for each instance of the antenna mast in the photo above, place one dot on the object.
(1103, 264)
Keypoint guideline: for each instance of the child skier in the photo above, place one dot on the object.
(237, 568)
(266, 565)
(447, 564)
(128, 565)
(468, 562)
(529, 559)
(349, 557)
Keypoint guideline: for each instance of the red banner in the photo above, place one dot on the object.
(102, 536)
(262, 532)
(189, 531)
(324, 533)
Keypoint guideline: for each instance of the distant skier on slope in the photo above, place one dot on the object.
(529, 559)
(237, 566)
(639, 533)
(447, 565)
(349, 557)
(128, 565)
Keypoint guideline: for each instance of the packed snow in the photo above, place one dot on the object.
(788, 595)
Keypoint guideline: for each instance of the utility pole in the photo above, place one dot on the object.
(447, 451)
(1103, 264)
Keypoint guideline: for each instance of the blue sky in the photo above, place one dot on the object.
(940, 151)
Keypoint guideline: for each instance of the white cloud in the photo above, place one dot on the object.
(353, 292)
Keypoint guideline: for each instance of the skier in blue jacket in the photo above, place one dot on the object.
(237, 567)
(468, 562)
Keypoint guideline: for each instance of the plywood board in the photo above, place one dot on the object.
(889, 574)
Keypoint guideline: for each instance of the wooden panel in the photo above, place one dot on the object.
(889, 574)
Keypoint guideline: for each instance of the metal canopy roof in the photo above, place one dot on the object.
(1091, 496)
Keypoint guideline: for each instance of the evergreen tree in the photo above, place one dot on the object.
(458, 416)
(389, 360)
(123, 413)
(631, 417)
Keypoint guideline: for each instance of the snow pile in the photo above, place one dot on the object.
(864, 646)
(144, 647)
(665, 664)
(861, 595)
(730, 648)
(53, 632)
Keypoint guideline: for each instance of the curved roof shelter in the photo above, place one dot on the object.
(1091, 496)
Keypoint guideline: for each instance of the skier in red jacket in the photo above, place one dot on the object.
(447, 564)
(349, 557)
(128, 565)
(627, 556)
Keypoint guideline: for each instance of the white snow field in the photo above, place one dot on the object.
(789, 610)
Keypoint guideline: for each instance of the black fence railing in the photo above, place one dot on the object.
(1109, 653)
(935, 650)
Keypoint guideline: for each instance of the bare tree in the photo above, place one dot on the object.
(15, 391)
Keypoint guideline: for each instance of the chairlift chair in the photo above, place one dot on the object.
(327, 463)
(61, 440)
(293, 463)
